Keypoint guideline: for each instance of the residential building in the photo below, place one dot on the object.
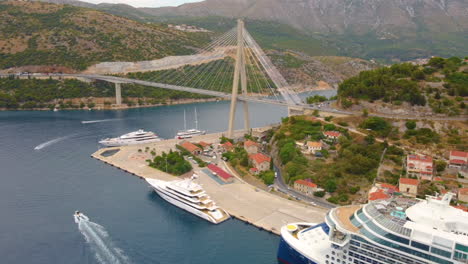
(251, 147)
(260, 161)
(332, 134)
(306, 187)
(381, 191)
(463, 195)
(220, 173)
(420, 166)
(314, 146)
(408, 186)
(378, 195)
(205, 145)
(227, 146)
(458, 159)
(192, 148)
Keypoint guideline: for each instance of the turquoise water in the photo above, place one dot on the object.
(41, 188)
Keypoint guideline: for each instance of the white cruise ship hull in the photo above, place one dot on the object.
(160, 190)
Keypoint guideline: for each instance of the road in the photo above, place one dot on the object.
(284, 188)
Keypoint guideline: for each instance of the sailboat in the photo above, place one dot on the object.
(189, 133)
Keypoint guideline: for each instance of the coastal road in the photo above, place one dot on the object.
(284, 188)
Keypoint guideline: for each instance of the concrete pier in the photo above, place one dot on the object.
(241, 200)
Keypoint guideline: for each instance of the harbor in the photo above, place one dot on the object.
(241, 200)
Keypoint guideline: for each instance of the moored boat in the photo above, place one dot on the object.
(132, 138)
(190, 196)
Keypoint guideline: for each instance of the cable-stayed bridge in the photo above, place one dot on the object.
(233, 67)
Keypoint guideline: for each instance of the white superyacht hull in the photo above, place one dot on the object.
(175, 201)
(127, 143)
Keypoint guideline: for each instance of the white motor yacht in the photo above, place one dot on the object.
(132, 138)
(190, 196)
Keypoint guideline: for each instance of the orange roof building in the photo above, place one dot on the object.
(260, 161)
(251, 147)
(458, 159)
(378, 195)
(409, 186)
(204, 144)
(192, 148)
(313, 146)
(420, 166)
(227, 146)
(332, 134)
(305, 187)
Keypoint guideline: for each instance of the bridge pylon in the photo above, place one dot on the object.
(240, 76)
(118, 93)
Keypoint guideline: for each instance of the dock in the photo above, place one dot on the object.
(241, 200)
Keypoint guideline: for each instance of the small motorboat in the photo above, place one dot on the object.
(79, 217)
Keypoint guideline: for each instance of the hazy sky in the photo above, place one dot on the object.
(145, 3)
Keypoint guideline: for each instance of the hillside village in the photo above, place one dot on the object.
(331, 162)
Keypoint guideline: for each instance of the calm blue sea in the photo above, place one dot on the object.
(41, 188)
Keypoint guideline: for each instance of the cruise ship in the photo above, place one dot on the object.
(396, 230)
(132, 138)
(190, 196)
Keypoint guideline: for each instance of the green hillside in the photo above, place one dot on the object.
(441, 84)
(34, 33)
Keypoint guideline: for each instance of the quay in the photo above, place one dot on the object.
(241, 200)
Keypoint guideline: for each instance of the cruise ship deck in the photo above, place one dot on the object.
(396, 230)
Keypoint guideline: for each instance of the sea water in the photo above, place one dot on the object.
(47, 173)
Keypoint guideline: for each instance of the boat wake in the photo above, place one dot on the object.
(99, 121)
(101, 244)
(51, 142)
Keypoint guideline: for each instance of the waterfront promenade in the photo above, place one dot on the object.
(243, 201)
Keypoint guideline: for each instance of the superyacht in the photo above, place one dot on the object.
(396, 230)
(189, 133)
(132, 138)
(190, 196)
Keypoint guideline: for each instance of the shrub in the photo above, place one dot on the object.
(319, 193)
(354, 189)
(410, 124)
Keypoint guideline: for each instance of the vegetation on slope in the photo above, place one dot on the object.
(351, 164)
(34, 33)
(442, 84)
(216, 75)
(43, 93)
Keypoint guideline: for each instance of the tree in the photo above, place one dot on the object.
(330, 185)
(437, 62)
(411, 124)
(440, 165)
(418, 75)
(319, 193)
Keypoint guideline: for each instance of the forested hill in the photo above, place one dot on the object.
(35, 33)
(441, 85)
